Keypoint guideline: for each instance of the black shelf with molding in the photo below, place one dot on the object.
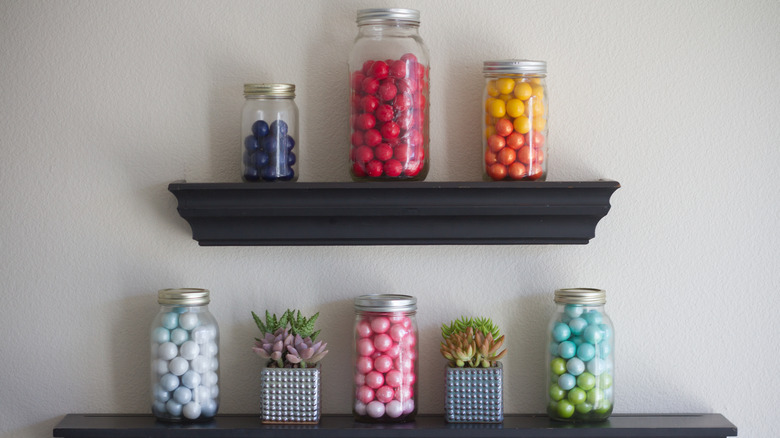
(393, 213)
(425, 426)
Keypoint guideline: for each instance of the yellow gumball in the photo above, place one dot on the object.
(523, 90)
(537, 91)
(515, 108)
(487, 103)
(497, 108)
(539, 123)
(538, 107)
(505, 97)
(522, 124)
(489, 130)
(491, 89)
(505, 85)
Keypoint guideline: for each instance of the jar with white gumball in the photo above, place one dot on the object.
(385, 358)
(185, 357)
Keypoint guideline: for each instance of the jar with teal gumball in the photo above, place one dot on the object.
(580, 363)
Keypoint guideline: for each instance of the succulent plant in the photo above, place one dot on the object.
(289, 347)
(472, 343)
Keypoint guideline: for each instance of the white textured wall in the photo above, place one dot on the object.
(103, 103)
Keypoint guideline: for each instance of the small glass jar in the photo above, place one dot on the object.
(385, 359)
(515, 127)
(185, 357)
(580, 364)
(389, 77)
(269, 130)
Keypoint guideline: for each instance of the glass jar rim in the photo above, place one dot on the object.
(184, 297)
(516, 66)
(382, 15)
(269, 90)
(581, 296)
(386, 303)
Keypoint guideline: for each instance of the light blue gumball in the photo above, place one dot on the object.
(586, 351)
(577, 325)
(596, 367)
(606, 330)
(160, 394)
(573, 310)
(170, 320)
(593, 334)
(173, 408)
(604, 350)
(577, 340)
(182, 395)
(593, 317)
(575, 366)
(553, 348)
(561, 332)
(161, 334)
(567, 381)
(169, 382)
(208, 408)
(190, 379)
(567, 349)
(179, 336)
(158, 408)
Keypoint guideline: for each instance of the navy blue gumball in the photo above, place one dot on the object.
(279, 127)
(259, 159)
(269, 173)
(251, 144)
(290, 158)
(290, 143)
(260, 129)
(286, 174)
(251, 174)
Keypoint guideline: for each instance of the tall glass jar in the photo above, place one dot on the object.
(269, 130)
(385, 358)
(185, 357)
(515, 127)
(389, 97)
(580, 364)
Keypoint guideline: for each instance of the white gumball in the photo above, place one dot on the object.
(167, 351)
(360, 407)
(160, 366)
(191, 410)
(209, 349)
(201, 393)
(189, 350)
(214, 391)
(208, 408)
(375, 409)
(209, 378)
(203, 334)
(214, 364)
(201, 364)
(178, 366)
(179, 336)
(408, 406)
(394, 409)
(188, 321)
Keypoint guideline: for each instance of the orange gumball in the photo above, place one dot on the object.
(507, 156)
(525, 155)
(517, 171)
(496, 142)
(539, 156)
(535, 172)
(504, 127)
(490, 157)
(497, 171)
(537, 139)
(515, 140)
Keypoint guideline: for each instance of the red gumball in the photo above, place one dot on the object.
(365, 121)
(402, 102)
(384, 112)
(409, 57)
(418, 100)
(413, 167)
(393, 168)
(358, 169)
(398, 69)
(387, 91)
(367, 67)
(405, 120)
(402, 152)
(407, 86)
(370, 85)
(383, 152)
(363, 154)
(390, 130)
(374, 168)
(357, 138)
(369, 103)
(357, 81)
(380, 70)
(372, 137)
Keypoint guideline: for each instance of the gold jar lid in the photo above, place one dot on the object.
(184, 297)
(270, 90)
(581, 296)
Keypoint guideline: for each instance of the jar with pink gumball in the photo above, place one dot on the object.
(385, 358)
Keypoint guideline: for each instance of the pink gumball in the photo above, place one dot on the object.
(409, 379)
(385, 394)
(383, 364)
(365, 394)
(360, 380)
(394, 409)
(393, 351)
(408, 406)
(404, 365)
(396, 318)
(383, 342)
(394, 378)
(397, 332)
(363, 329)
(380, 324)
(375, 379)
(375, 409)
(408, 342)
(403, 393)
(364, 364)
(406, 322)
(365, 347)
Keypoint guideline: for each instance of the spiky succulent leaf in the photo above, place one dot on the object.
(472, 342)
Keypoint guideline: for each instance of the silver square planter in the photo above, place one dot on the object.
(474, 395)
(290, 395)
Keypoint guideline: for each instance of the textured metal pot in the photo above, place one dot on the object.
(474, 395)
(290, 395)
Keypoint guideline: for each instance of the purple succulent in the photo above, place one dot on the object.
(305, 352)
(273, 346)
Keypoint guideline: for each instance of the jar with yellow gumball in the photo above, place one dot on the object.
(515, 126)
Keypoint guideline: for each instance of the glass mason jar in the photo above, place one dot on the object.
(269, 130)
(185, 357)
(515, 126)
(389, 97)
(385, 358)
(580, 364)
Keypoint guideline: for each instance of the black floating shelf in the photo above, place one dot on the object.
(425, 426)
(408, 213)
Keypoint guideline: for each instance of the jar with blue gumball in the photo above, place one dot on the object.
(581, 359)
(269, 132)
(185, 357)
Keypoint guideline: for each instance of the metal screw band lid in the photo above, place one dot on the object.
(270, 90)
(377, 16)
(516, 66)
(580, 296)
(184, 297)
(386, 303)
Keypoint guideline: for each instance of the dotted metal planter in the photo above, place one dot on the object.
(474, 395)
(290, 395)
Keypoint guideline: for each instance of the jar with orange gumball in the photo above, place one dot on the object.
(514, 132)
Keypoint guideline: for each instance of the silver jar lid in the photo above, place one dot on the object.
(580, 296)
(270, 90)
(516, 66)
(184, 297)
(379, 15)
(386, 303)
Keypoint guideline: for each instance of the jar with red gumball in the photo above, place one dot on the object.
(385, 358)
(389, 77)
(514, 135)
